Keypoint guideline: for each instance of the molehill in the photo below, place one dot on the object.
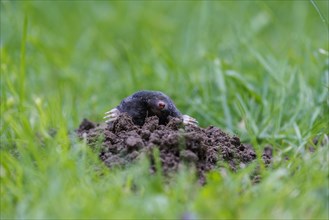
(121, 142)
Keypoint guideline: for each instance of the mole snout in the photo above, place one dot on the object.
(144, 104)
(161, 105)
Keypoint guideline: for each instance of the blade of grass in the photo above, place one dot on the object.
(22, 75)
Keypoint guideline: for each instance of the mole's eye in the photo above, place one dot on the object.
(161, 105)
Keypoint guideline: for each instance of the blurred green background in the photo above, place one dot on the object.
(258, 69)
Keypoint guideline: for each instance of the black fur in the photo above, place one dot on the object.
(144, 104)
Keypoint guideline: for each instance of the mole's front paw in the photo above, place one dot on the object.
(188, 120)
(112, 115)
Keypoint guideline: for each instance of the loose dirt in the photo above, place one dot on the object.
(122, 142)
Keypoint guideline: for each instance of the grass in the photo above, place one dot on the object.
(254, 68)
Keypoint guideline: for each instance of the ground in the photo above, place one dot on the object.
(122, 142)
(257, 70)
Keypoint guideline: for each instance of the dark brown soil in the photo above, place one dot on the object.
(122, 142)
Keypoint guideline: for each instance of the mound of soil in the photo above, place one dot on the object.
(122, 142)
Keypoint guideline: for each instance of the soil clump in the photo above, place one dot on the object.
(121, 142)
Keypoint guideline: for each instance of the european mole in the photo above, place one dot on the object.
(143, 104)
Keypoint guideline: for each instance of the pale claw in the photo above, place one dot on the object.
(112, 115)
(188, 120)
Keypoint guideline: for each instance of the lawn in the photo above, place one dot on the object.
(257, 69)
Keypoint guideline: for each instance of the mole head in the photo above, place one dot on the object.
(158, 105)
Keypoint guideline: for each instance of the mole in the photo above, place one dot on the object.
(145, 103)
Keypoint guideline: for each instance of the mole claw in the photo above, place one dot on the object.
(188, 120)
(110, 120)
(111, 115)
(115, 111)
